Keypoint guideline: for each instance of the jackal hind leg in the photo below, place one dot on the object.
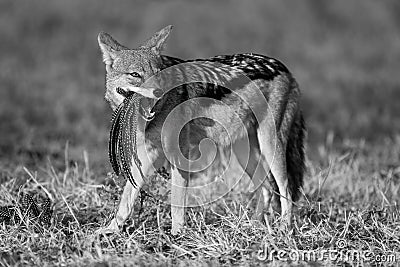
(150, 160)
(252, 164)
(273, 149)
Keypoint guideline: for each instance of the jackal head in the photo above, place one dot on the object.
(131, 69)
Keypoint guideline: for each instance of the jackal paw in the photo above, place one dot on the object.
(176, 229)
(111, 228)
(285, 224)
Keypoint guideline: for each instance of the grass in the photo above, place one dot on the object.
(54, 129)
(351, 196)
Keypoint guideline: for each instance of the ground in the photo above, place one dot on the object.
(54, 128)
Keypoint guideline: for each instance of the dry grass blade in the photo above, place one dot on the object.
(39, 184)
(70, 210)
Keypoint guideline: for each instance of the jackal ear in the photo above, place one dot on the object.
(109, 46)
(157, 41)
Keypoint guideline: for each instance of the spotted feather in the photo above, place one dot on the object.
(113, 140)
(29, 206)
(125, 141)
(46, 212)
(7, 213)
(123, 136)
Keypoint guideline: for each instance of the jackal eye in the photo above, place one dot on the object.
(134, 74)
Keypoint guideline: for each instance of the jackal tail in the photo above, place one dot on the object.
(295, 158)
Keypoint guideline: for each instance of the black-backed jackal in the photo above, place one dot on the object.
(227, 99)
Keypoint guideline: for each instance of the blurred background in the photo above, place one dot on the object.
(344, 54)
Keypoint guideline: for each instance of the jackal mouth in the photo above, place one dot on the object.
(124, 93)
(145, 109)
(146, 113)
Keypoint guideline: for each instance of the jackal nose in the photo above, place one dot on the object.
(158, 93)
